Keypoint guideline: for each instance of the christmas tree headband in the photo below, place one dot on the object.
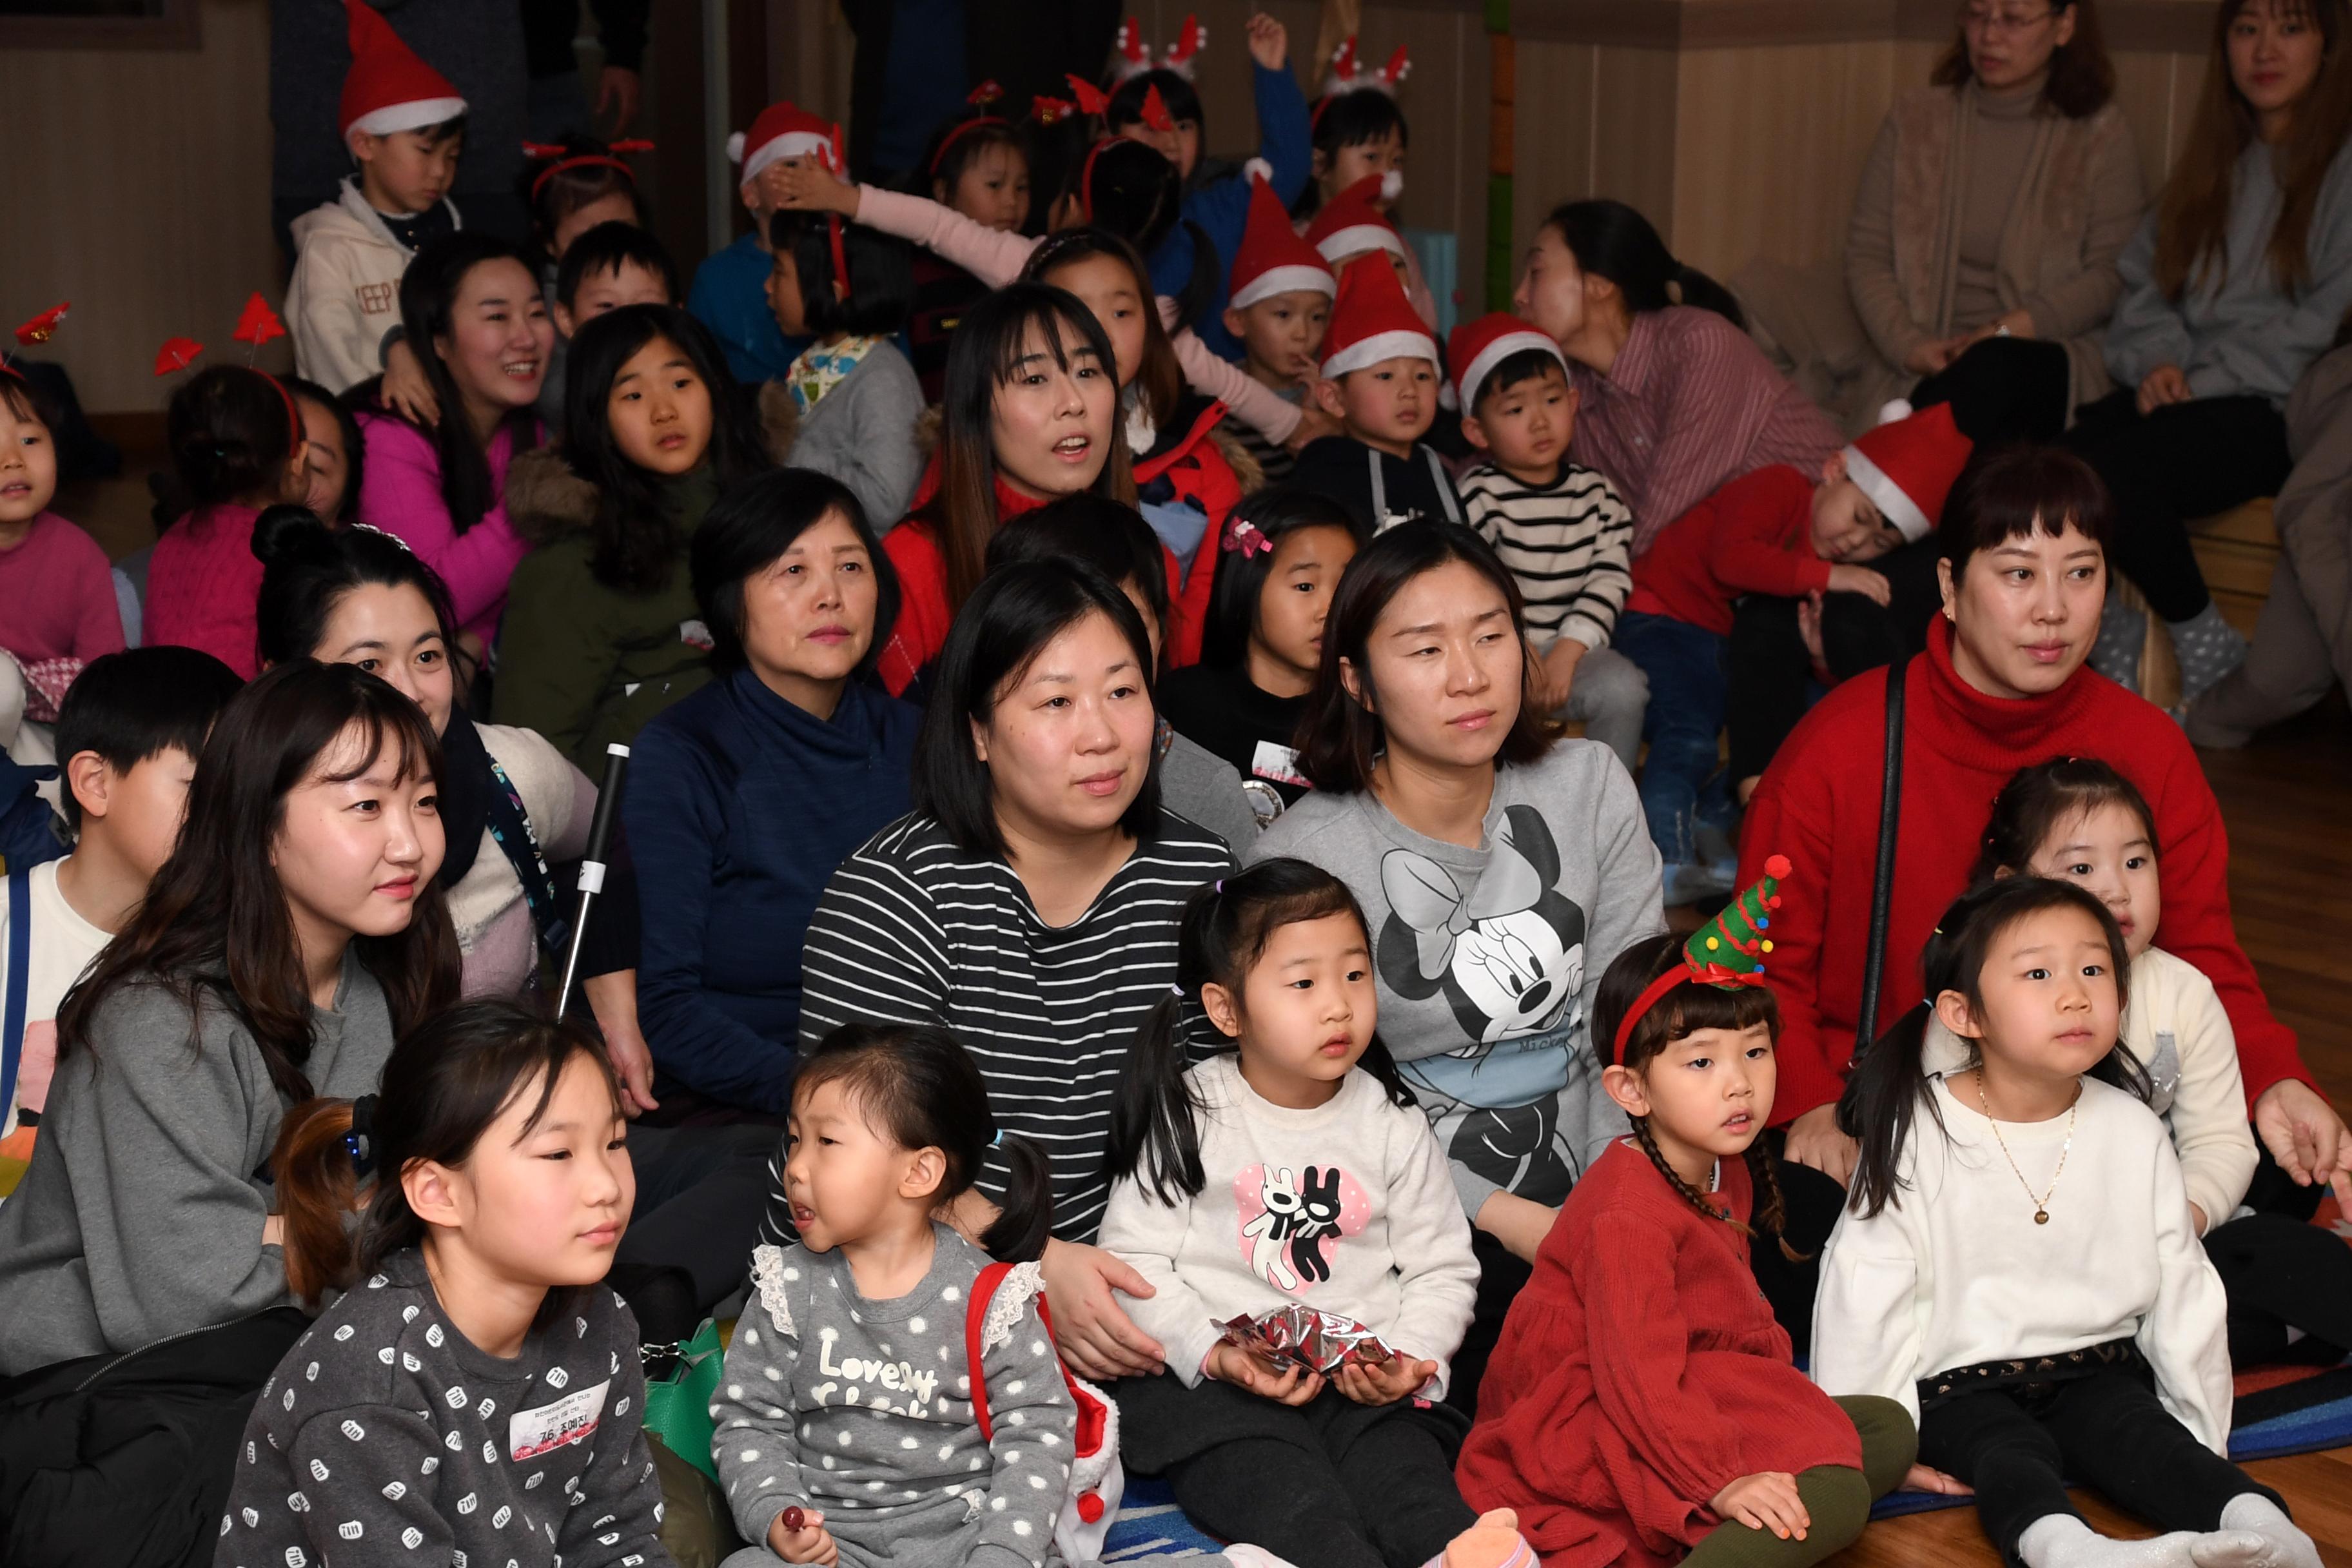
(1726, 952)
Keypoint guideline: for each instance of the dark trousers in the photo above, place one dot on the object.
(1772, 673)
(1685, 666)
(2184, 461)
(2003, 390)
(701, 1192)
(2018, 1449)
(2281, 1272)
(1333, 1483)
(1500, 1278)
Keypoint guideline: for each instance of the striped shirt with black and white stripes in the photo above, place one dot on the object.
(914, 929)
(1568, 544)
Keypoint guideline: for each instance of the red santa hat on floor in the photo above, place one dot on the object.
(785, 131)
(1372, 320)
(1477, 347)
(1907, 464)
(1272, 260)
(388, 88)
(1350, 225)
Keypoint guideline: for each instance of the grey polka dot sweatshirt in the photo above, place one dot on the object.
(387, 1438)
(863, 1410)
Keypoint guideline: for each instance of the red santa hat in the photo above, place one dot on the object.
(1272, 260)
(1477, 347)
(1372, 320)
(1907, 464)
(785, 131)
(1350, 225)
(388, 88)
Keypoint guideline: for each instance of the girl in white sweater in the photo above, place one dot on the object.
(2289, 1283)
(2017, 1263)
(1292, 1169)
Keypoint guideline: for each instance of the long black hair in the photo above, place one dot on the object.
(876, 292)
(1882, 1097)
(751, 527)
(232, 431)
(919, 1087)
(444, 1085)
(1614, 241)
(1155, 1135)
(428, 304)
(308, 567)
(1680, 1014)
(636, 538)
(215, 920)
(1273, 514)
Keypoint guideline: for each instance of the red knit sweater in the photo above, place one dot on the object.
(204, 584)
(1819, 806)
(1639, 1372)
(1752, 536)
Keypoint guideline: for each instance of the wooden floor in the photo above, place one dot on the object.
(2288, 803)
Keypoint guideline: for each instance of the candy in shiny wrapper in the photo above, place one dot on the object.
(1298, 1335)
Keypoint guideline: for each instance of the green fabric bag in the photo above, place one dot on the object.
(678, 1410)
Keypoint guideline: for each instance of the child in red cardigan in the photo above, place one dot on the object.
(1641, 1401)
(1774, 532)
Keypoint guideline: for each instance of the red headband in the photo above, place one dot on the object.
(1726, 952)
(955, 135)
(293, 414)
(1087, 177)
(607, 160)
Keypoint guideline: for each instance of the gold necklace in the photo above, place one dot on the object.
(2041, 1203)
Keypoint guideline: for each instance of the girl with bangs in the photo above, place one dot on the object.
(297, 929)
(1031, 389)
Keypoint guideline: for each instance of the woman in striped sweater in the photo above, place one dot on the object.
(1029, 904)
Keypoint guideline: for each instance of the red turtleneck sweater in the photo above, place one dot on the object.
(1819, 806)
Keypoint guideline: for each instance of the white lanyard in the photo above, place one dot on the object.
(1380, 489)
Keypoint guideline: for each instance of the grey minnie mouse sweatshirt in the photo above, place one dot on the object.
(1489, 958)
(387, 1438)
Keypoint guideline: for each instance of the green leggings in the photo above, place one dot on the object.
(1838, 1499)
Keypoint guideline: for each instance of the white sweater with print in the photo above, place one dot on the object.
(1348, 1207)
(1960, 1273)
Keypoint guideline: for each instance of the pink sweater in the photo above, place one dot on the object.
(57, 595)
(203, 583)
(400, 493)
(996, 258)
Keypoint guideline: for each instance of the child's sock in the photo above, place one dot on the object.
(2208, 648)
(2123, 633)
(2279, 1543)
(2062, 1541)
(1494, 1541)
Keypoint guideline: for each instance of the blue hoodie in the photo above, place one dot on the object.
(738, 808)
(1220, 207)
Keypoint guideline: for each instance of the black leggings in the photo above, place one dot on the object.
(2018, 1448)
(2004, 389)
(2182, 461)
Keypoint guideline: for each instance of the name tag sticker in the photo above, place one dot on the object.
(531, 1432)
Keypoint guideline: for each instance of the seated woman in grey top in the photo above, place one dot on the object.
(296, 929)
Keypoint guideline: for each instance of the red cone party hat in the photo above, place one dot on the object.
(1477, 347)
(388, 88)
(1272, 260)
(1350, 225)
(785, 131)
(1373, 321)
(1906, 467)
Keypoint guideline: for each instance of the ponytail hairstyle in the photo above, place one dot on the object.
(1272, 515)
(1884, 1094)
(2038, 800)
(1155, 1136)
(216, 928)
(916, 1085)
(1349, 120)
(428, 305)
(444, 1085)
(1680, 1014)
(233, 432)
(1159, 380)
(1614, 241)
(307, 568)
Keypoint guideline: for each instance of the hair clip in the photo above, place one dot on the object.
(997, 1142)
(1245, 536)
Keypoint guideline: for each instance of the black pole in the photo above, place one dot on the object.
(592, 864)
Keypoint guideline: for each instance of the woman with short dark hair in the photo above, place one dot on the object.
(1030, 902)
(743, 798)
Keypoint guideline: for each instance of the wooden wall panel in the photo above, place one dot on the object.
(1636, 112)
(1557, 123)
(141, 193)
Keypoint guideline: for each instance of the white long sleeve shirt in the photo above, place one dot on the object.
(1960, 1274)
(1348, 1207)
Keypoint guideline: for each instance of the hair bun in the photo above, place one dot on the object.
(286, 535)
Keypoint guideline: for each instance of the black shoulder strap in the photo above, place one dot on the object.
(1882, 891)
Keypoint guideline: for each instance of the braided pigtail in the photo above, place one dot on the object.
(1691, 1194)
(1768, 1212)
